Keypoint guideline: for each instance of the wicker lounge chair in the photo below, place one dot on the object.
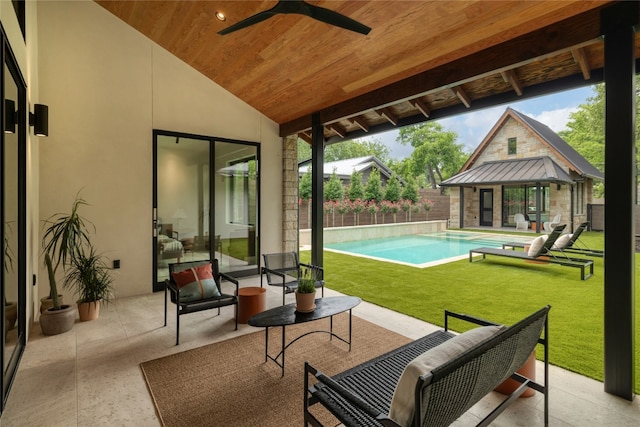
(365, 395)
(544, 253)
(571, 246)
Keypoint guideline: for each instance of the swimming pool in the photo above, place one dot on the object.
(423, 250)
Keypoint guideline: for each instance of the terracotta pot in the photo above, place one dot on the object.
(88, 310)
(54, 322)
(305, 303)
(47, 302)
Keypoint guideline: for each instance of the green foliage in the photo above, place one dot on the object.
(356, 190)
(393, 190)
(304, 150)
(333, 190)
(373, 190)
(435, 152)
(304, 187)
(89, 278)
(410, 191)
(307, 281)
(358, 148)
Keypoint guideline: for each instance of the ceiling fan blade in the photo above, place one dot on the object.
(336, 19)
(258, 17)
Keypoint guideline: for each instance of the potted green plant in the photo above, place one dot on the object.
(306, 292)
(65, 237)
(88, 276)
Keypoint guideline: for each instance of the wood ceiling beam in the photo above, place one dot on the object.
(389, 115)
(462, 95)
(581, 59)
(510, 77)
(562, 36)
(421, 106)
(305, 137)
(360, 122)
(341, 131)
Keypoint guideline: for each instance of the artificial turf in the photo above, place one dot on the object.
(498, 289)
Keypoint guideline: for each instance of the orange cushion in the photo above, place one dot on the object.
(196, 283)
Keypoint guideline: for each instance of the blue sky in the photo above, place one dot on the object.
(552, 110)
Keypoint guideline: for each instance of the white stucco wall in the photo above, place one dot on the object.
(108, 87)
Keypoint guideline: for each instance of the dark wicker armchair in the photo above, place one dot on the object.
(284, 269)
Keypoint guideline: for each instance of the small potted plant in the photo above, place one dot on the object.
(88, 276)
(306, 292)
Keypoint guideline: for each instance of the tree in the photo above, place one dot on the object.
(304, 192)
(409, 191)
(373, 190)
(356, 190)
(304, 150)
(435, 151)
(358, 148)
(392, 191)
(333, 190)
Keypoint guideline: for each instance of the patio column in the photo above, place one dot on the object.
(290, 194)
(317, 195)
(617, 24)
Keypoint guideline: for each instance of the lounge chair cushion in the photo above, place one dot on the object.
(562, 242)
(402, 404)
(537, 243)
(196, 283)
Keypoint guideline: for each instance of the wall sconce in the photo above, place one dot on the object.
(10, 116)
(558, 187)
(39, 119)
(474, 189)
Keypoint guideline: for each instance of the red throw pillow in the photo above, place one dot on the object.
(196, 283)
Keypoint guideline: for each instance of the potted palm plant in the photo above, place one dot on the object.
(88, 276)
(65, 237)
(306, 292)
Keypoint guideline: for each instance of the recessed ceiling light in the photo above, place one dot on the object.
(221, 16)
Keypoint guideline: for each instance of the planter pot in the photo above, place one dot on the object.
(47, 302)
(54, 322)
(305, 303)
(88, 310)
(10, 315)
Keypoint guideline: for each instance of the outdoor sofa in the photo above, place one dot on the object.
(434, 380)
(540, 251)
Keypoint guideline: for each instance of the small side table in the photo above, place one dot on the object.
(251, 300)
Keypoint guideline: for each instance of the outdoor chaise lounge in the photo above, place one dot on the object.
(434, 380)
(567, 243)
(540, 250)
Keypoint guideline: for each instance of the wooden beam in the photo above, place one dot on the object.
(581, 59)
(462, 95)
(510, 77)
(305, 137)
(564, 35)
(337, 129)
(360, 122)
(388, 114)
(421, 106)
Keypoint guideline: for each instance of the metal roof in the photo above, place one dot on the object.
(520, 171)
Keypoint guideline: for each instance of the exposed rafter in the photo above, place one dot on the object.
(462, 95)
(581, 59)
(360, 122)
(305, 137)
(337, 129)
(421, 106)
(510, 77)
(388, 114)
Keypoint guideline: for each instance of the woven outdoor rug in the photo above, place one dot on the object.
(229, 384)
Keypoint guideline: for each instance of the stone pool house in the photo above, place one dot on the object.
(522, 167)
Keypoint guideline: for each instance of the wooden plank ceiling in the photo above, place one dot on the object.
(422, 59)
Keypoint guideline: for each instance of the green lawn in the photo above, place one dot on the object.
(498, 289)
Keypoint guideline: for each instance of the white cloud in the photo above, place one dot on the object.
(556, 119)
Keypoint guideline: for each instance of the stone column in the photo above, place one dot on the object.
(290, 194)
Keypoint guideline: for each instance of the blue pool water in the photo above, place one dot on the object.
(423, 250)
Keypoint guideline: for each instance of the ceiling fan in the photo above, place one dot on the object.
(301, 7)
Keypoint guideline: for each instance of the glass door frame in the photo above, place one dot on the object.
(483, 193)
(159, 286)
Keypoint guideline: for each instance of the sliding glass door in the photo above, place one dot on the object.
(204, 212)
